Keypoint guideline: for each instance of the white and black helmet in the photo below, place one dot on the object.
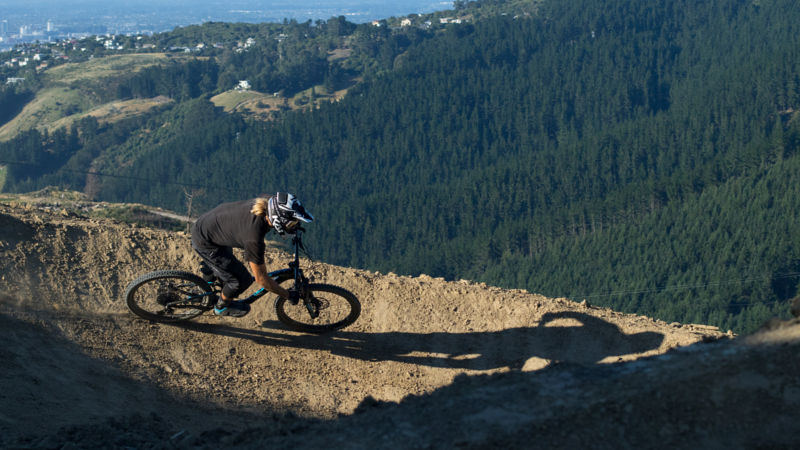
(286, 212)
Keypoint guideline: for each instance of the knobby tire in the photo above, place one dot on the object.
(298, 318)
(171, 286)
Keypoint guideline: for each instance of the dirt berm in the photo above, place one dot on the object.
(429, 364)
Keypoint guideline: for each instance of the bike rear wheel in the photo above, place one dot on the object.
(168, 296)
(329, 308)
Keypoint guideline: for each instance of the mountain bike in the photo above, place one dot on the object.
(175, 296)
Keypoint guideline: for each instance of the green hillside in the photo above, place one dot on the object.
(642, 155)
(71, 91)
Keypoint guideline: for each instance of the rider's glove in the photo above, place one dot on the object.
(294, 296)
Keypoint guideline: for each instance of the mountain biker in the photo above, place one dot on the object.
(243, 224)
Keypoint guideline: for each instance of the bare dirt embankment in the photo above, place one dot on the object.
(429, 364)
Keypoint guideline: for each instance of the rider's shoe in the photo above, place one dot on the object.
(231, 308)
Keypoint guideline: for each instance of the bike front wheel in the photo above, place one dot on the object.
(168, 296)
(326, 308)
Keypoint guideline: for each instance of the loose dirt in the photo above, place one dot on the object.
(429, 364)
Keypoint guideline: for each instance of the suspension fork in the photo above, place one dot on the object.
(300, 281)
(296, 240)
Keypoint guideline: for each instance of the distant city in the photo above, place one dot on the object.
(52, 20)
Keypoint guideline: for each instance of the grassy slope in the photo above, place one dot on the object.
(67, 97)
(252, 102)
(98, 68)
(259, 105)
(49, 105)
(110, 112)
(60, 101)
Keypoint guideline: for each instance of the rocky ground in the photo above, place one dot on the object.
(429, 364)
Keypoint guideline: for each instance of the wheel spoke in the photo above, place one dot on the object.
(167, 296)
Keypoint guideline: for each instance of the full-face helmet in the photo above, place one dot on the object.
(286, 212)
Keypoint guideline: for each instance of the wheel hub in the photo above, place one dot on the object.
(165, 298)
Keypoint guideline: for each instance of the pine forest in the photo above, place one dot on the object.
(639, 155)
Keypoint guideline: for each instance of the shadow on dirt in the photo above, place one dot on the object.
(14, 230)
(564, 336)
(48, 382)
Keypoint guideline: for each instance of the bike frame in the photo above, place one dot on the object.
(329, 307)
(294, 270)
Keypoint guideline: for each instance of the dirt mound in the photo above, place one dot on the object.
(429, 363)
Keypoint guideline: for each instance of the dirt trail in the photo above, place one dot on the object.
(429, 363)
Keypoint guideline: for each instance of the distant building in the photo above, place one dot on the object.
(13, 80)
(3, 28)
(243, 85)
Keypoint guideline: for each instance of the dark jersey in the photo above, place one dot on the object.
(232, 225)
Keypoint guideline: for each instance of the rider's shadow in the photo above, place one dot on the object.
(564, 337)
